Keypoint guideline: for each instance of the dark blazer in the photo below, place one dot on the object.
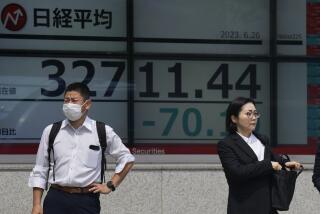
(249, 180)
(316, 169)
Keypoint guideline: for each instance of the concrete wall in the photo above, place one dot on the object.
(156, 189)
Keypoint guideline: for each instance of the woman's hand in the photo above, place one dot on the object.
(293, 165)
(99, 188)
(276, 166)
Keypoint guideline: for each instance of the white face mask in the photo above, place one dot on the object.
(72, 111)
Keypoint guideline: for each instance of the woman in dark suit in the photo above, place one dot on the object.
(248, 161)
(316, 169)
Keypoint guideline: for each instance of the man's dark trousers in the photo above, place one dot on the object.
(60, 202)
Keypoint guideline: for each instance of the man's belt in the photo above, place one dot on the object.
(71, 189)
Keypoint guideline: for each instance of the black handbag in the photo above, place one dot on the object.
(283, 185)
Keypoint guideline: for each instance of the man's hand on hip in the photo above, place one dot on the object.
(37, 209)
(99, 188)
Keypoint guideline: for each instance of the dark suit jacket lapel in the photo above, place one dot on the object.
(244, 146)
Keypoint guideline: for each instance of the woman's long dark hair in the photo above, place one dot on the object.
(234, 109)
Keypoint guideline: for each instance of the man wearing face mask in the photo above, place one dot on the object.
(76, 181)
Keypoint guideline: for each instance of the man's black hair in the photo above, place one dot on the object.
(79, 87)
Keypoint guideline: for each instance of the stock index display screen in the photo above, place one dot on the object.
(185, 101)
(178, 106)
